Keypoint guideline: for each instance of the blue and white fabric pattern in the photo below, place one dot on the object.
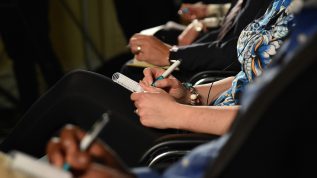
(257, 44)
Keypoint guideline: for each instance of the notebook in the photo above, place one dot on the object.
(20, 165)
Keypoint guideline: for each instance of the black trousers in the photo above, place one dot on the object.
(80, 98)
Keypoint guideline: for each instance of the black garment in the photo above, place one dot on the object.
(24, 28)
(135, 16)
(220, 55)
(207, 53)
(207, 1)
(80, 98)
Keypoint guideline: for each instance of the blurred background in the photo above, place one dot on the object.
(84, 34)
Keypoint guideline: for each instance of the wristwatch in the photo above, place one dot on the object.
(198, 25)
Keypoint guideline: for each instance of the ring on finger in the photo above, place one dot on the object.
(138, 49)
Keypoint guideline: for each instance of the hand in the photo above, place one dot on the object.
(156, 108)
(150, 49)
(170, 84)
(66, 149)
(189, 12)
(191, 33)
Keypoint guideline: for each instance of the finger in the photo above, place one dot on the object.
(156, 71)
(166, 83)
(140, 56)
(54, 152)
(150, 89)
(151, 73)
(70, 139)
(79, 161)
(143, 84)
(148, 76)
(134, 96)
(136, 49)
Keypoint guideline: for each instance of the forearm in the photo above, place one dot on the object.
(206, 119)
(207, 56)
(213, 90)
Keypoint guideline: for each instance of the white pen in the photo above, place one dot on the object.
(167, 71)
(91, 135)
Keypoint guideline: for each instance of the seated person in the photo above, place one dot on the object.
(215, 50)
(82, 95)
(197, 162)
(196, 20)
(202, 9)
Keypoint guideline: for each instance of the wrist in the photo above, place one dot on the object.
(192, 96)
(178, 118)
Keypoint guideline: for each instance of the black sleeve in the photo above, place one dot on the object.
(207, 1)
(208, 56)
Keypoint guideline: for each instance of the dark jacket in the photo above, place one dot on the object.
(207, 54)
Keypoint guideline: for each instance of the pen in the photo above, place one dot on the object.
(91, 135)
(167, 71)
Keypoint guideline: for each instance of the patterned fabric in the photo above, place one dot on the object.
(257, 44)
(194, 164)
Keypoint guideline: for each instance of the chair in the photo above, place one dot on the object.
(170, 148)
(264, 145)
(210, 76)
(276, 138)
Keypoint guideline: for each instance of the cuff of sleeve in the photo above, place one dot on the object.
(172, 55)
(145, 172)
(213, 10)
(218, 10)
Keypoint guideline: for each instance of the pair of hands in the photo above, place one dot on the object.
(157, 106)
(150, 49)
(99, 161)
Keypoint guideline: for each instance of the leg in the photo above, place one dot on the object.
(80, 98)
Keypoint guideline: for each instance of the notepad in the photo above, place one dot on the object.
(126, 82)
(27, 166)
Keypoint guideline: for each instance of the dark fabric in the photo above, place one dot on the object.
(137, 15)
(24, 28)
(80, 98)
(208, 54)
(228, 23)
(220, 55)
(207, 1)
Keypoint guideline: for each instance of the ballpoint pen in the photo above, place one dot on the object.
(92, 135)
(167, 71)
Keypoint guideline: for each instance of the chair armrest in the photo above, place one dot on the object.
(168, 149)
(210, 76)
